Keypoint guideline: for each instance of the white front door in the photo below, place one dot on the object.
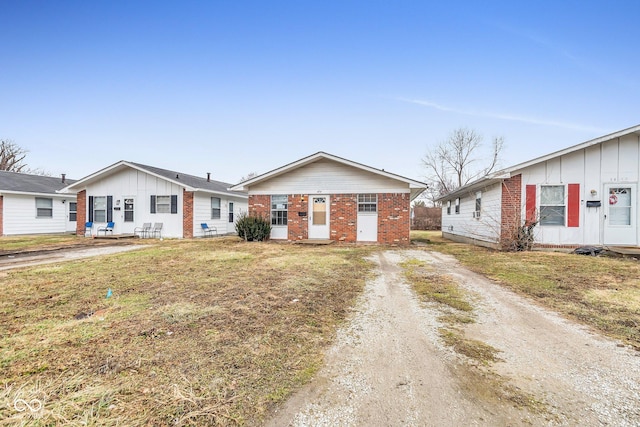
(127, 216)
(620, 222)
(367, 227)
(319, 218)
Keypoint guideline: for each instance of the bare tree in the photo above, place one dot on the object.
(12, 156)
(456, 161)
(248, 176)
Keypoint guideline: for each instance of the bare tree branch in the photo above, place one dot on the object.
(12, 156)
(452, 163)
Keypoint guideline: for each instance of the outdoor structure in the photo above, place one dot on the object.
(30, 204)
(586, 194)
(131, 194)
(325, 197)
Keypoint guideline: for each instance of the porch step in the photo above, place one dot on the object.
(315, 242)
(117, 236)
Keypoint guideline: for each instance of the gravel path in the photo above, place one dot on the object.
(8, 262)
(389, 367)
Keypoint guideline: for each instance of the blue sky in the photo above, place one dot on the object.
(233, 87)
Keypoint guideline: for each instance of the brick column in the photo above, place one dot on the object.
(187, 214)
(81, 215)
(511, 215)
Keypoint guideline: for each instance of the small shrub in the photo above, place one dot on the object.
(253, 228)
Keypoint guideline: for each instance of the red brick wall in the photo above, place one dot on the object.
(511, 208)
(297, 225)
(81, 216)
(342, 219)
(394, 218)
(187, 214)
(260, 205)
(1, 214)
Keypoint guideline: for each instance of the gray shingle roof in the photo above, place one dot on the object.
(190, 180)
(25, 183)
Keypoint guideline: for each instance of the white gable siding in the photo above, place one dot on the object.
(141, 186)
(329, 177)
(19, 215)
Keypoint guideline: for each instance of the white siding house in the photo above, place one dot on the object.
(131, 194)
(586, 194)
(325, 197)
(30, 204)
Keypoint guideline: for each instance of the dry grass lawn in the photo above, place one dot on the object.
(196, 332)
(218, 331)
(601, 292)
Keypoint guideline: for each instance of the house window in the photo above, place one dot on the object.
(367, 203)
(552, 205)
(99, 209)
(230, 211)
(44, 208)
(448, 207)
(215, 208)
(476, 213)
(458, 205)
(164, 204)
(279, 209)
(73, 211)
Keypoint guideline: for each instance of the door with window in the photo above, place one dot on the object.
(367, 218)
(128, 215)
(620, 221)
(319, 217)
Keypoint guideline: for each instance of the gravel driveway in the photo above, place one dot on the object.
(389, 366)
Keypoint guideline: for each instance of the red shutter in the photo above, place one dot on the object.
(573, 206)
(530, 204)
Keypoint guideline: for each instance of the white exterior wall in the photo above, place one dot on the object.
(141, 186)
(19, 215)
(202, 213)
(329, 177)
(612, 162)
(486, 228)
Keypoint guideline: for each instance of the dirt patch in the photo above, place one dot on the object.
(390, 366)
(51, 255)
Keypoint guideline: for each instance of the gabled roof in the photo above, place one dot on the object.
(508, 172)
(416, 187)
(189, 182)
(22, 183)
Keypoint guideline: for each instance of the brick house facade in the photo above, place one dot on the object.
(393, 217)
(363, 215)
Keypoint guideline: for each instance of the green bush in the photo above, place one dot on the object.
(253, 228)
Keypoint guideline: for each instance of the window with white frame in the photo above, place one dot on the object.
(367, 203)
(552, 205)
(215, 208)
(458, 205)
(279, 209)
(476, 214)
(448, 207)
(44, 207)
(100, 209)
(73, 211)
